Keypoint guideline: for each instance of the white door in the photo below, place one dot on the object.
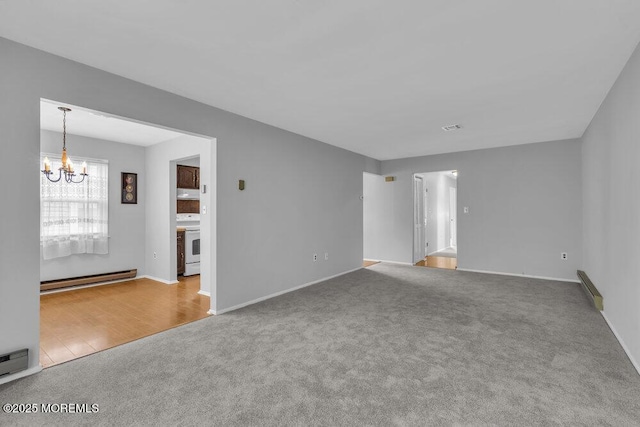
(453, 216)
(426, 220)
(418, 219)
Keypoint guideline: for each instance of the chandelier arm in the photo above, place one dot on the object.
(83, 176)
(68, 176)
(49, 173)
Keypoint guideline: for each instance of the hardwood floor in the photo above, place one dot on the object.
(367, 263)
(83, 321)
(439, 262)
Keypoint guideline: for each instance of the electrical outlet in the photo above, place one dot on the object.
(563, 256)
(326, 256)
(315, 257)
(155, 255)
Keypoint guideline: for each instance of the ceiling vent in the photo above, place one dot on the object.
(451, 127)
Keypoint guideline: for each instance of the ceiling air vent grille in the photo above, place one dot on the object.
(451, 127)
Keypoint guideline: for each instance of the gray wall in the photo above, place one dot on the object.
(372, 165)
(126, 222)
(525, 207)
(302, 195)
(383, 235)
(611, 206)
(377, 216)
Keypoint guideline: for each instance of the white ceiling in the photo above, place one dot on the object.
(83, 122)
(377, 77)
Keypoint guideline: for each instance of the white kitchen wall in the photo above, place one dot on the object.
(611, 206)
(524, 201)
(126, 222)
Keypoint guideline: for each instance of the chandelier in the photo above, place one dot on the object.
(67, 165)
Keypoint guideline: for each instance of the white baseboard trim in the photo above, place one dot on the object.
(21, 374)
(205, 293)
(518, 275)
(286, 291)
(157, 279)
(391, 262)
(624, 346)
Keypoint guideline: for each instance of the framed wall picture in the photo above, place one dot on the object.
(129, 188)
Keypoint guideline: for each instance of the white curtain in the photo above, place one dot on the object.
(74, 217)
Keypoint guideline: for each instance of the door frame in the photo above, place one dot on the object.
(453, 215)
(419, 237)
(432, 201)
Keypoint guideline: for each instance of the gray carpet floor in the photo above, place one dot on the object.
(386, 345)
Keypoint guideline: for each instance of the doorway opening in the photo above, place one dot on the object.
(435, 219)
(187, 213)
(138, 224)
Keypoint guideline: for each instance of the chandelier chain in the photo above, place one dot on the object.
(64, 129)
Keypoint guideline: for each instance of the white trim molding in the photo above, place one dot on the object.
(391, 262)
(157, 279)
(286, 291)
(21, 374)
(557, 279)
(205, 293)
(624, 346)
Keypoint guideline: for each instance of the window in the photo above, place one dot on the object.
(74, 217)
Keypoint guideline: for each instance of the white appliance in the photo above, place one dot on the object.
(192, 252)
(191, 223)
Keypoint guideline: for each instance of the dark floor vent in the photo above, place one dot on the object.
(88, 280)
(14, 362)
(591, 290)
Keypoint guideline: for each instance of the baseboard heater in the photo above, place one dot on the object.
(87, 280)
(591, 290)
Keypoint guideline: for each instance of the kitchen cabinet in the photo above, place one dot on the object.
(188, 206)
(180, 252)
(188, 176)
